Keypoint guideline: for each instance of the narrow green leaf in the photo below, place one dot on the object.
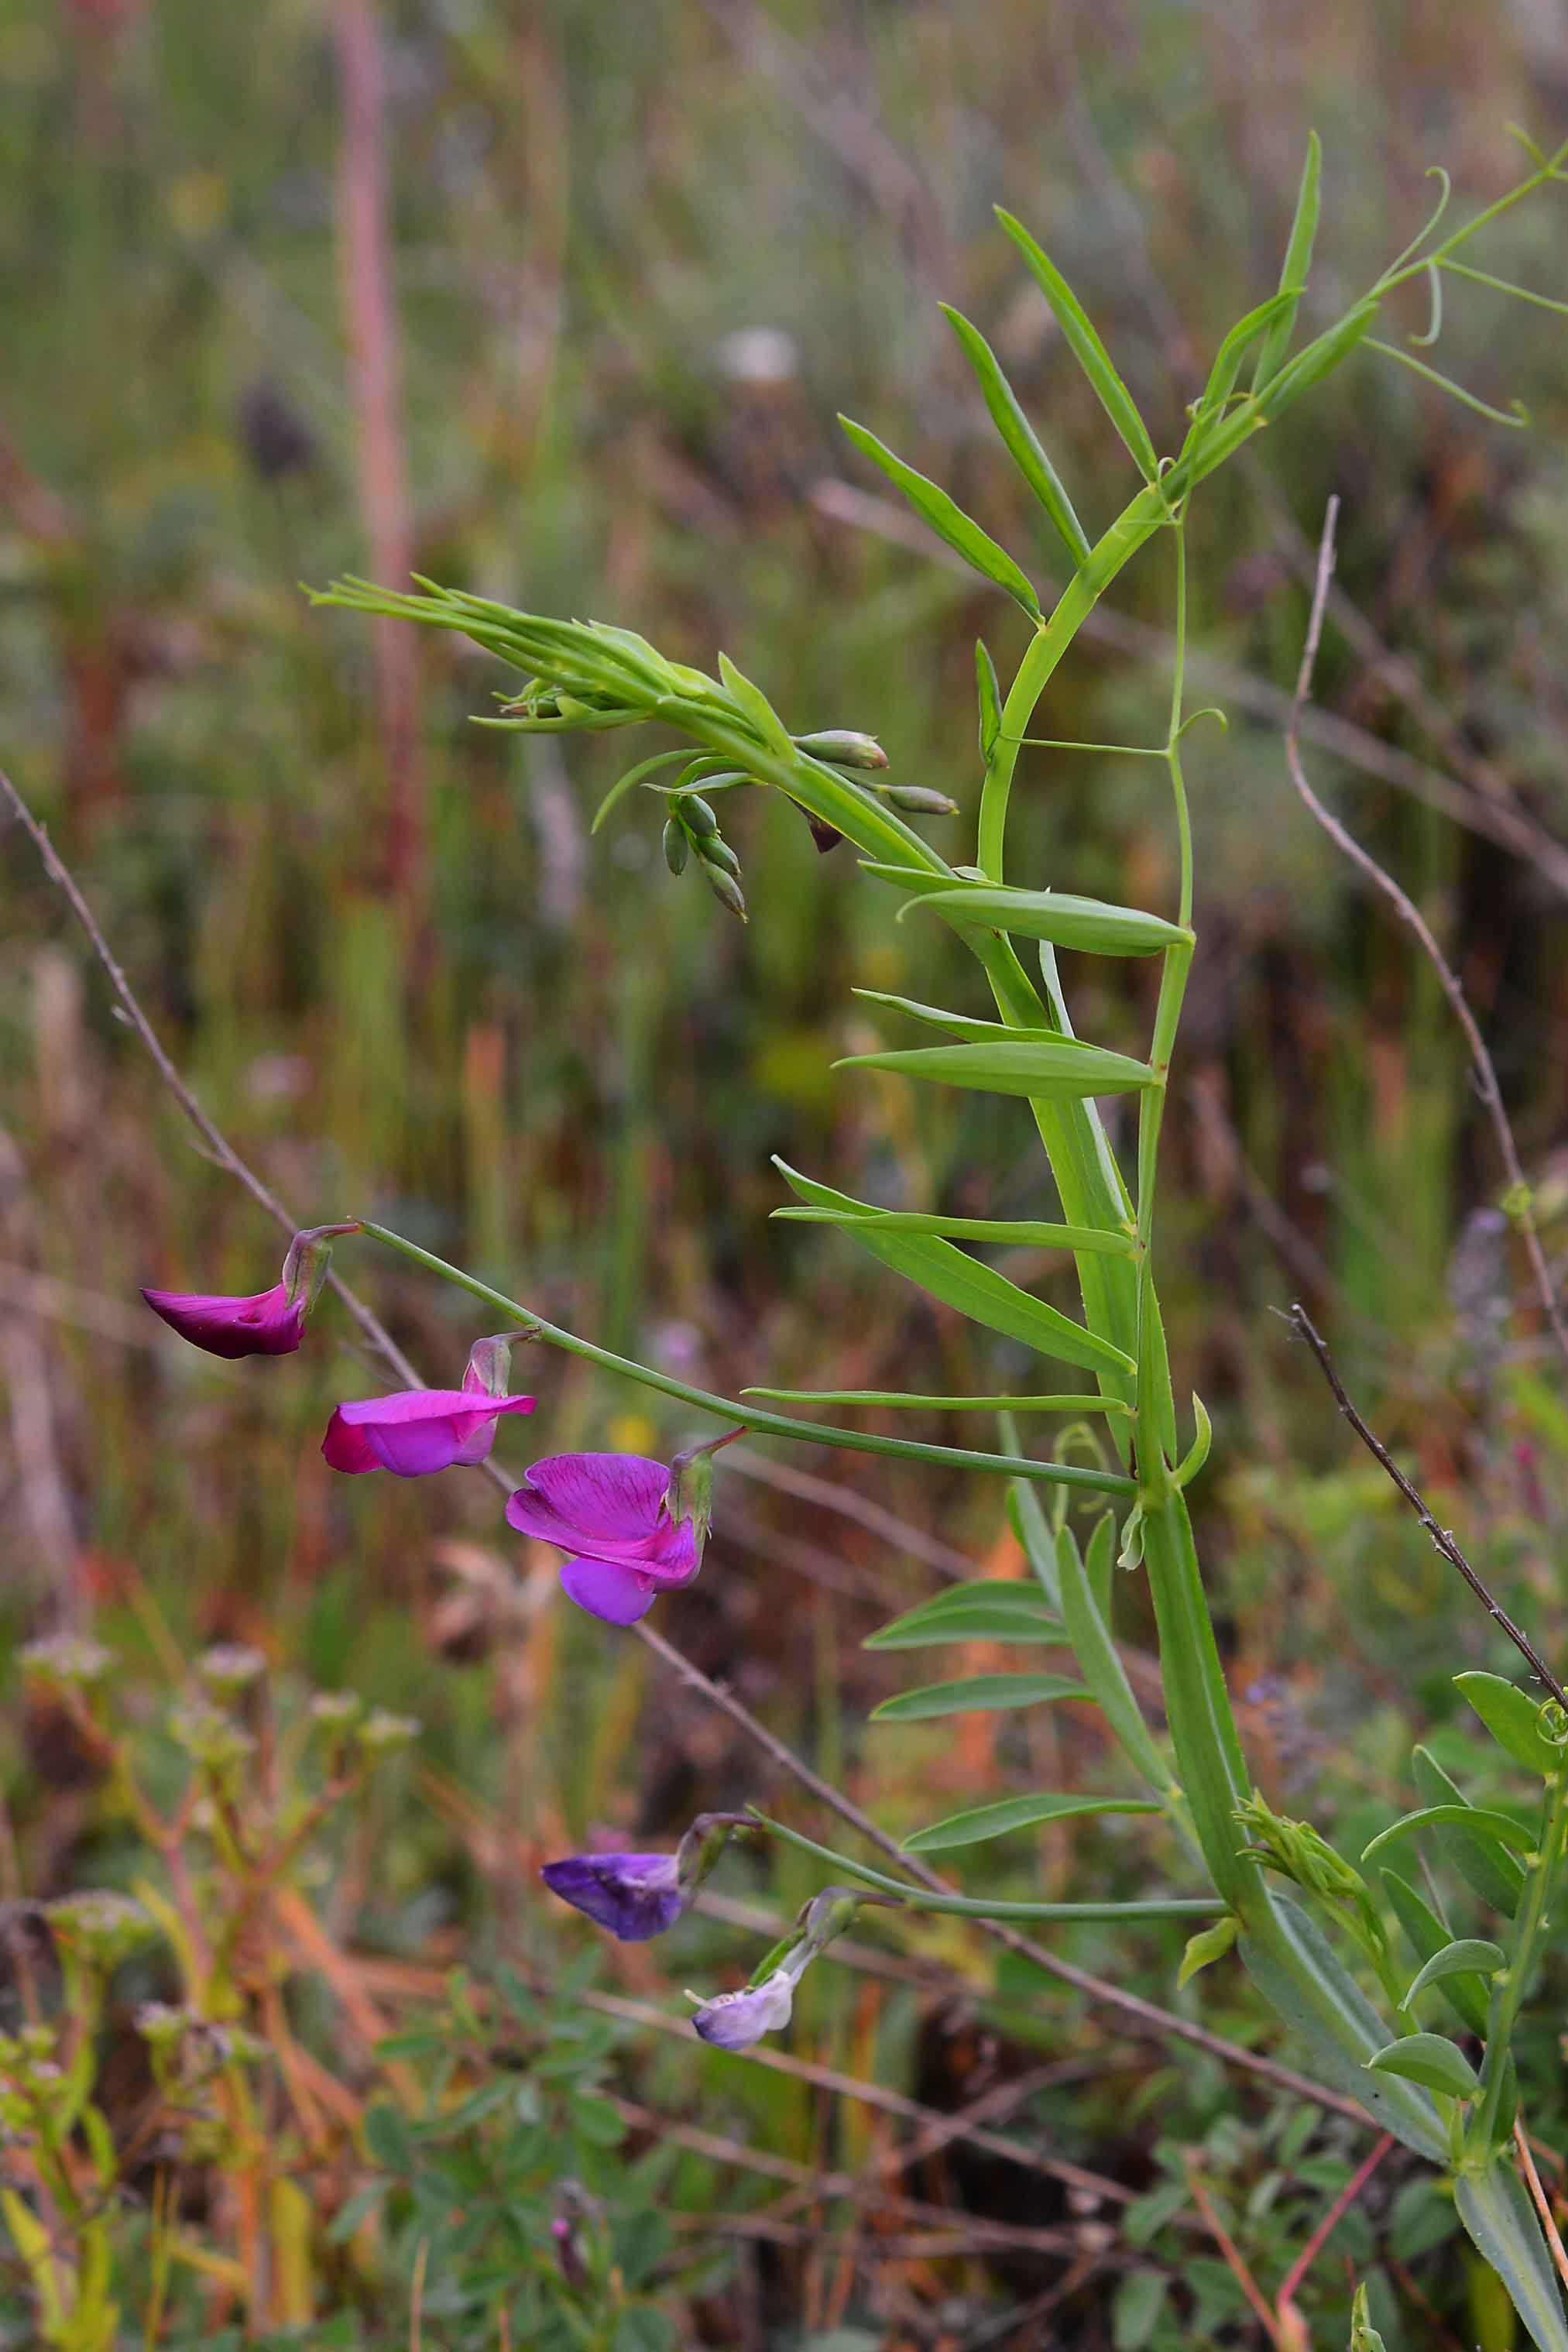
(984, 1612)
(1477, 1821)
(1019, 434)
(1466, 1996)
(1496, 2211)
(1055, 915)
(1208, 1944)
(1086, 347)
(988, 694)
(756, 708)
(1038, 1066)
(1470, 1956)
(948, 520)
(897, 1399)
(1016, 1813)
(1513, 1718)
(973, 1030)
(1101, 1665)
(1100, 1567)
(1317, 360)
(1486, 1869)
(1431, 2059)
(977, 1695)
(633, 777)
(1298, 261)
(1009, 1232)
(1228, 359)
(963, 1283)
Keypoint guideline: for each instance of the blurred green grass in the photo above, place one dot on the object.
(546, 1058)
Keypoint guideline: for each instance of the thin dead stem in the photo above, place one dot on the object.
(1519, 1200)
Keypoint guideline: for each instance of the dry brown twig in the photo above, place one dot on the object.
(1147, 2014)
(1408, 912)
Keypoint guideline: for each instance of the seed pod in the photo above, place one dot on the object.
(677, 844)
(919, 799)
(697, 816)
(845, 746)
(726, 890)
(717, 851)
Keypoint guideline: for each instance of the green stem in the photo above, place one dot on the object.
(765, 1425)
(1488, 2125)
(919, 1898)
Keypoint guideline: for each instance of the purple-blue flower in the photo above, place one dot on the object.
(734, 2021)
(638, 1895)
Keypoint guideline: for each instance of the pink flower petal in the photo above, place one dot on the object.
(612, 1496)
(605, 1589)
(264, 1325)
(416, 1431)
(348, 1449)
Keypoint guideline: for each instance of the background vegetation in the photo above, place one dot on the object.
(634, 259)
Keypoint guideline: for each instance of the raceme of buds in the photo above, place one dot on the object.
(417, 1430)
(692, 825)
(638, 1895)
(272, 1322)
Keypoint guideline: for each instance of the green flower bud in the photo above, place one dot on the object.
(845, 746)
(724, 889)
(919, 799)
(697, 816)
(717, 851)
(677, 845)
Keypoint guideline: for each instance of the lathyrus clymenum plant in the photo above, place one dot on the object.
(1277, 1893)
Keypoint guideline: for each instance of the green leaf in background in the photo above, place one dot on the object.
(1466, 1995)
(988, 1611)
(989, 695)
(1469, 1956)
(1019, 434)
(1363, 2336)
(1487, 1870)
(976, 1695)
(985, 1821)
(1513, 1718)
(1478, 1820)
(1086, 348)
(1208, 1944)
(1137, 2309)
(1036, 1065)
(1066, 920)
(1430, 2060)
(975, 1290)
(1298, 261)
(948, 520)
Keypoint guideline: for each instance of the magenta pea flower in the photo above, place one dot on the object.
(272, 1323)
(638, 1895)
(635, 1528)
(417, 1430)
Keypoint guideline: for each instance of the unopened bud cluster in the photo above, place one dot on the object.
(690, 825)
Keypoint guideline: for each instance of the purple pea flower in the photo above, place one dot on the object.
(417, 1430)
(272, 1323)
(735, 2020)
(638, 1895)
(635, 1528)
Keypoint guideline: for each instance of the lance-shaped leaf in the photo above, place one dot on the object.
(1469, 1956)
(1466, 1995)
(1487, 1870)
(1430, 2060)
(1231, 352)
(1100, 1664)
(1086, 347)
(1513, 1718)
(1016, 1813)
(756, 708)
(1293, 270)
(1036, 1064)
(1001, 1233)
(974, 1290)
(977, 1695)
(1477, 1821)
(948, 520)
(907, 1400)
(989, 695)
(1209, 1944)
(1055, 915)
(988, 1611)
(1019, 434)
(1497, 2213)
